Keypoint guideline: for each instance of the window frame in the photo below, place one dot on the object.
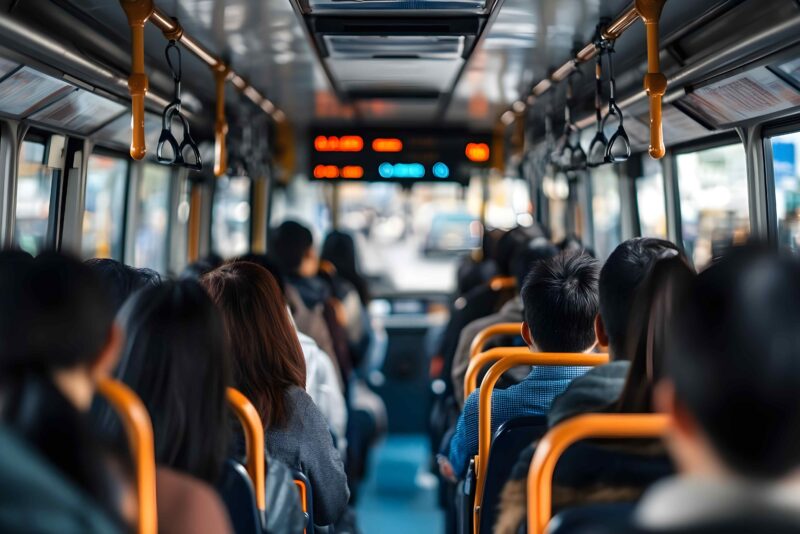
(767, 132)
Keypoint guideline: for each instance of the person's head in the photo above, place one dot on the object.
(620, 278)
(527, 254)
(559, 299)
(506, 246)
(176, 360)
(293, 247)
(650, 314)
(196, 269)
(267, 358)
(340, 250)
(56, 320)
(269, 264)
(733, 368)
(120, 280)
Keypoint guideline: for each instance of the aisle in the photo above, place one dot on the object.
(399, 496)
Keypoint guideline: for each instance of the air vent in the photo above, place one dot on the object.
(394, 47)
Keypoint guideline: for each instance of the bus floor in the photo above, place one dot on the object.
(399, 493)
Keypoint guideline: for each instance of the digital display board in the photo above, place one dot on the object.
(401, 155)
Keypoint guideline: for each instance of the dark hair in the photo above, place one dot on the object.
(734, 357)
(54, 313)
(175, 359)
(120, 280)
(620, 278)
(196, 269)
(340, 250)
(527, 254)
(650, 314)
(267, 358)
(270, 265)
(290, 242)
(559, 299)
(506, 246)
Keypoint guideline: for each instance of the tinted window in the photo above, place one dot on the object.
(650, 197)
(103, 215)
(151, 216)
(606, 210)
(785, 158)
(34, 191)
(230, 230)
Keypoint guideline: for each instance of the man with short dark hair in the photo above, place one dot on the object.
(560, 302)
(732, 386)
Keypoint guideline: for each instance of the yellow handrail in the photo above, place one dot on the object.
(254, 442)
(558, 440)
(138, 12)
(483, 337)
(139, 430)
(485, 403)
(655, 83)
(221, 125)
(499, 283)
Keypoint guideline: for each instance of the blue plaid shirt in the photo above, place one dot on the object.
(532, 396)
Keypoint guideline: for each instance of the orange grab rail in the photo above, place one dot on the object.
(499, 283)
(221, 125)
(301, 487)
(138, 12)
(655, 83)
(483, 337)
(483, 359)
(485, 402)
(139, 429)
(558, 440)
(254, 440)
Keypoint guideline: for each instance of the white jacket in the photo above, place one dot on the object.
(322, 384)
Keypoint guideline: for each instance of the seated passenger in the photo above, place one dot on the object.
(608, 473)
(733, 376)
(560, 302)
(511, 312)
(120, 280)
(175, 360)
(58, 340)
(269, 368)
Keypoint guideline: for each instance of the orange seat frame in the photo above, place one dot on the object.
(248, 416)
(558, 440)
(483, 337)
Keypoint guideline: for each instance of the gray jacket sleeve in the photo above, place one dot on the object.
(322, 463)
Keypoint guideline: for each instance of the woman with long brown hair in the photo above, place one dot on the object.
(269, 368)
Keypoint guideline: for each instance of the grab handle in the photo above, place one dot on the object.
(655, 83)
(137, 11)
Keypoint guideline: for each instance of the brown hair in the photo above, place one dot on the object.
(267, 358)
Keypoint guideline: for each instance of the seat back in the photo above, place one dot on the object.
(237, 493)
(508, 359)
(508, 442)
(139, 431)
(500, 329)
(306, 498)
(553, 445)
(248, 416)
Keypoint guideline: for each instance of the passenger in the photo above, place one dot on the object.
(198, 268)
(323, 382)
(293, 250)
(560, 302)
(175, 360)
(511, 312)
(270, 370)
(58, 340)
(633, 467)
(121, 281)
(733, 373)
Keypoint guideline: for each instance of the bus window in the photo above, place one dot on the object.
(230, 220)
(713, 193)
(34, 191)
(650, 197)
(106, 180)
(179, 242)
(785, 157)
(151, 216)
(606, 210)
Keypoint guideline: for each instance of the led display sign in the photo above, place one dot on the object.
(398, 155)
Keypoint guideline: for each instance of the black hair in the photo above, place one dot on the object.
(120, 280)
(54, 313)
(734, 358)
(290, 243)
(620, 278)
(527, 254)
(198, 268)
(340, 249)
(270, 265)
(506, 246)
(559, 299)
(176, 360)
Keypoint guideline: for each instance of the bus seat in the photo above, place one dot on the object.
(508, 442)
(556, 441)
(306, 498)
(237, 492)
(139, 431)
(248, 416)
(495, 330)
